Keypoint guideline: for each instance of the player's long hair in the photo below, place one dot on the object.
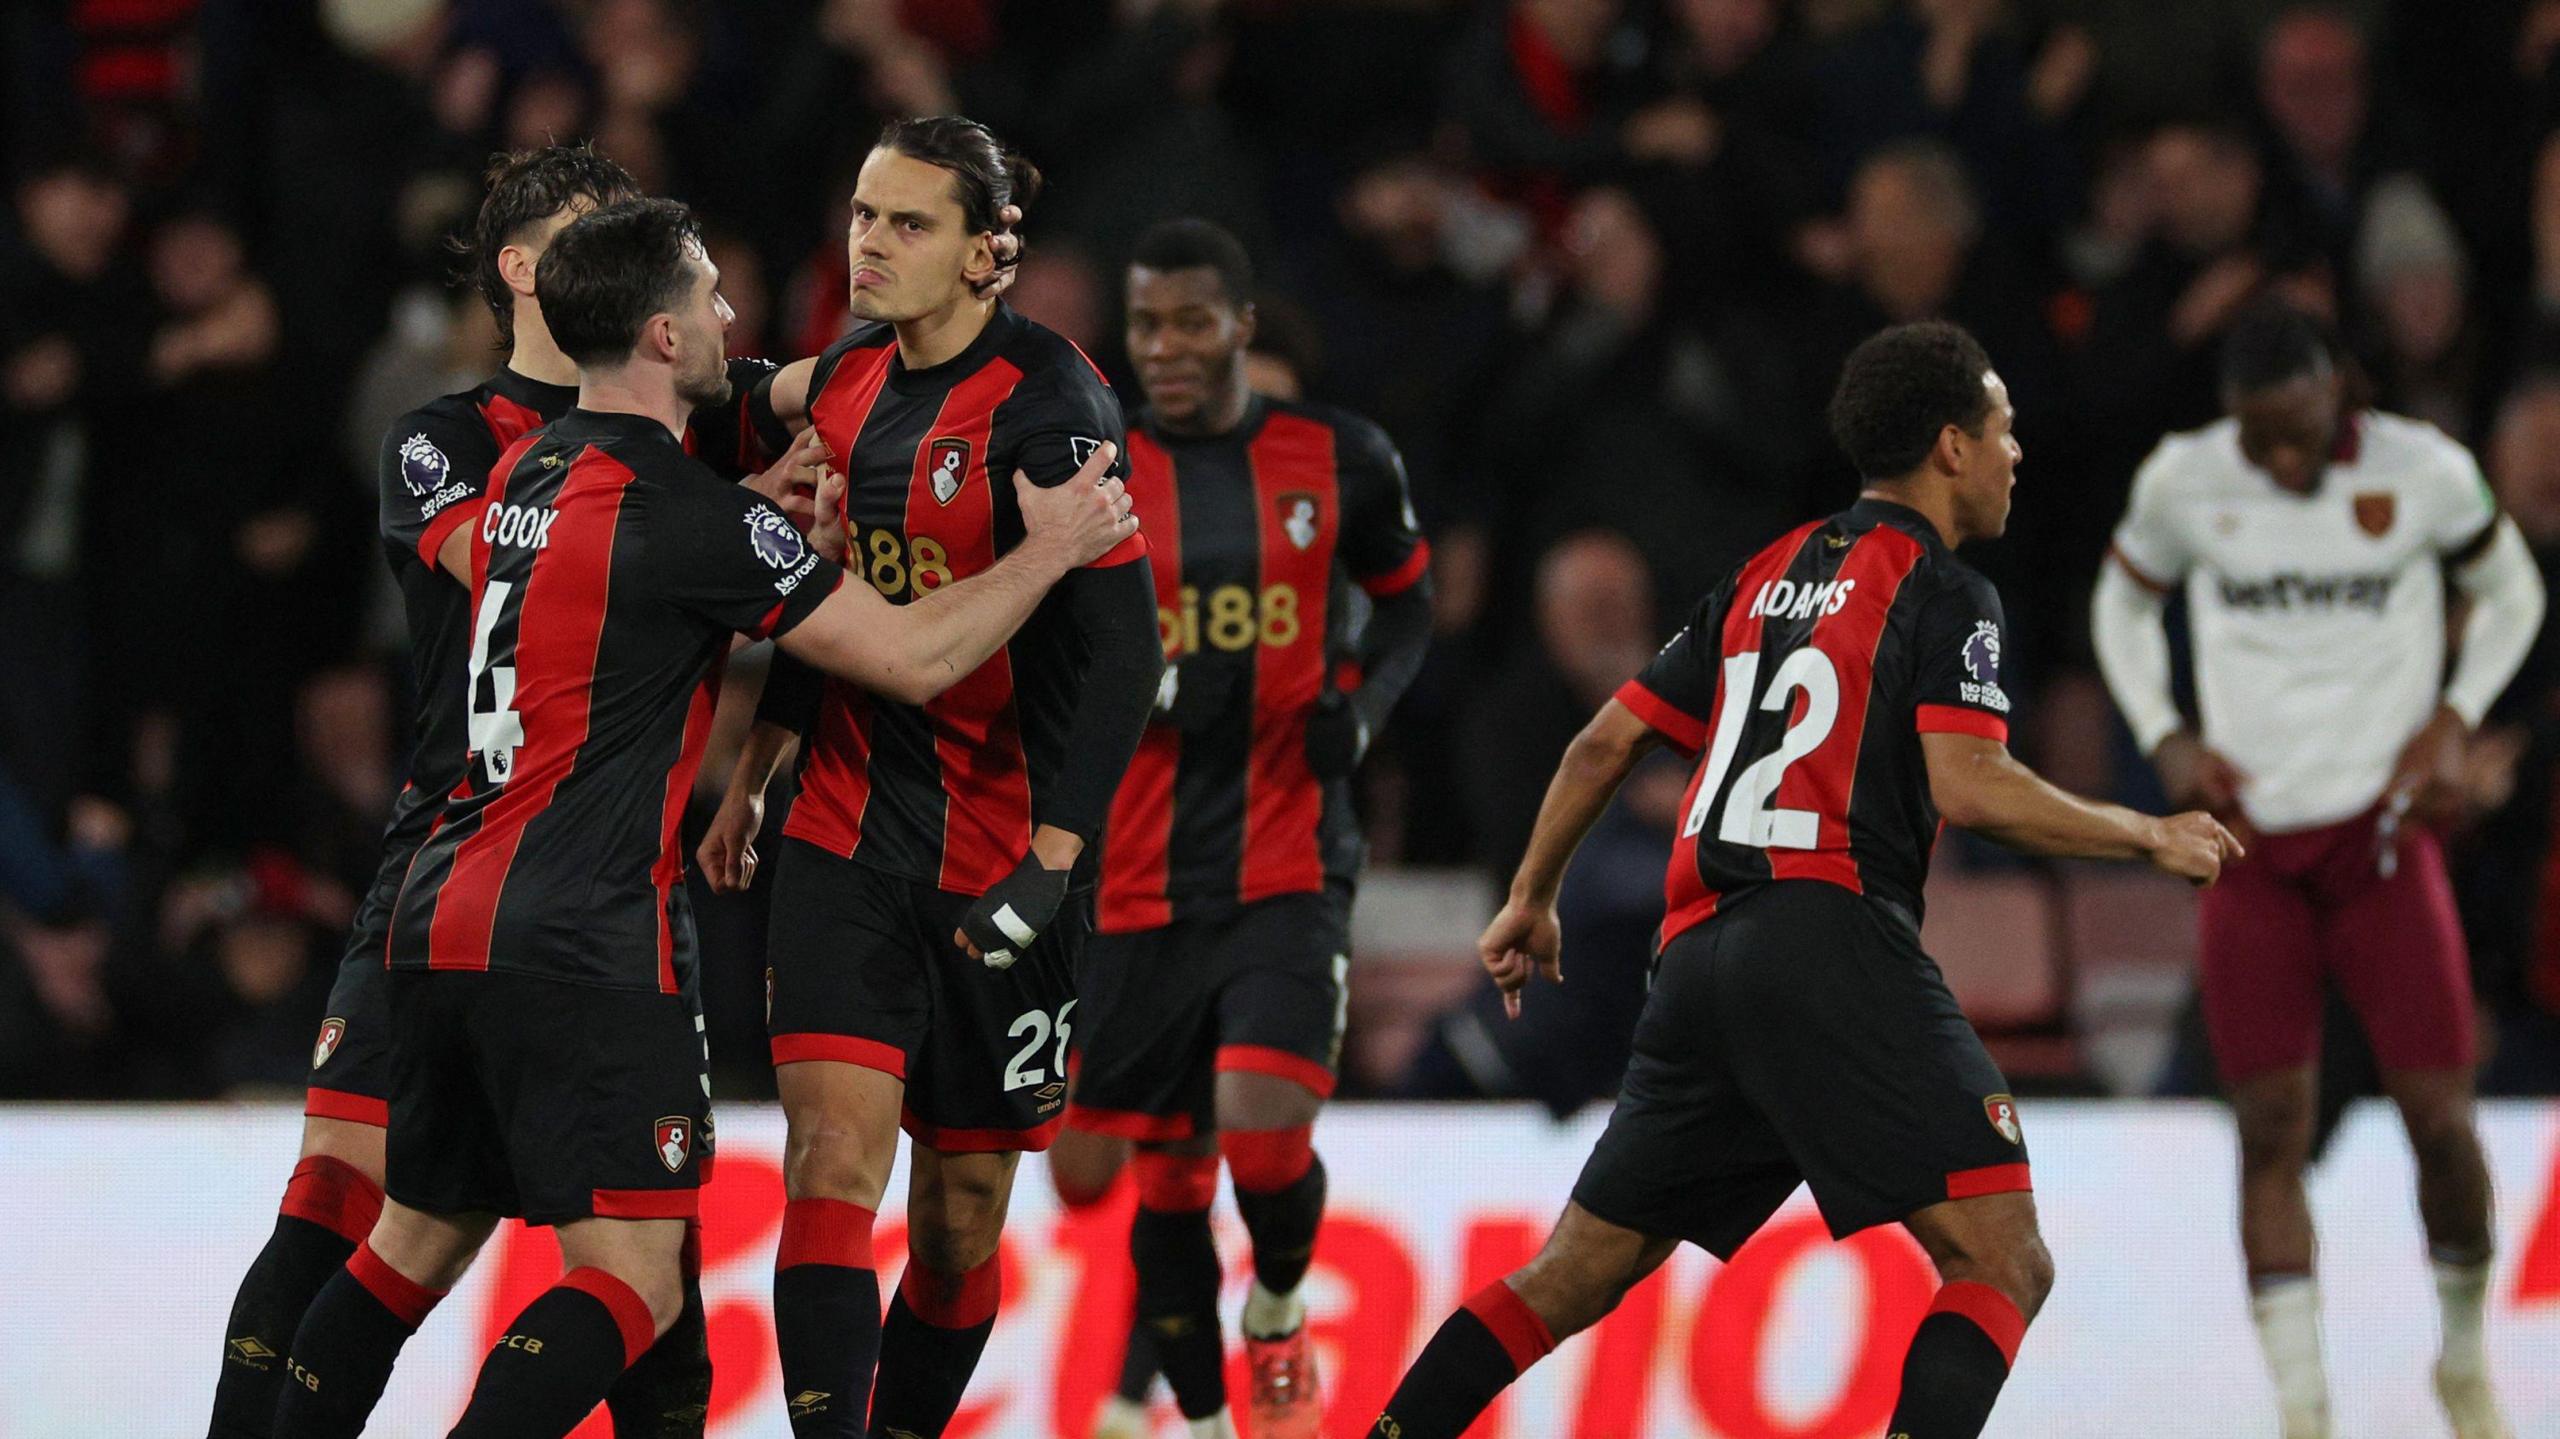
(526, 187)
(987, 176)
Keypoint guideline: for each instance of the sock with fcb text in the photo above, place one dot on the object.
(1280, 1187)
(929, 1346)
(342, 1353)
(666, 1394)
(1492, 1339)
(826, 1317)
(1177, 1263)
(329, 1206)
(557, 1359)
(1959, 1358)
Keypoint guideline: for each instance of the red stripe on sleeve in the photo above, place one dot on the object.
(1993, 1179)
(1956, 719)
(1664, 717)
(1404, 576)
(1292, 462)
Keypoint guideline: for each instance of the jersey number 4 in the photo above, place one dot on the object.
(1749, 816)
(496, 729)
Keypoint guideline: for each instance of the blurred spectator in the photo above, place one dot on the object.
(1541, 91)
(2316, 93)
(2414, 283)
(1735, 126)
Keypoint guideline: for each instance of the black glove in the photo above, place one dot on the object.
(1193, 695)
(1008, 918)
(1336, 736)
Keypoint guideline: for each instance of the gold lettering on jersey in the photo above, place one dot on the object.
(909, 567)
(1787, 600)
(1234, 619)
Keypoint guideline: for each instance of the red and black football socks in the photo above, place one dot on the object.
(1280, 1186)
(826, 1317)
(329, 1207)
(1138, 1367)
(929, 1346)
(1959, 1358)
(1177, 1263)
(1492, 1339)
(666, 1394)
(343, 1351)
(557, 1359)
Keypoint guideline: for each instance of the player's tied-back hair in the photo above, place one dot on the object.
(1191, 243)
(604, 276)
(985, 176)
(1899, 391)
(525, 188)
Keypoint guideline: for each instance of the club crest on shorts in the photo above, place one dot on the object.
(2374, 512)
(675, 1142)
(1298, 517)
(332, 1030)
(947, 464)
(2003, 1114)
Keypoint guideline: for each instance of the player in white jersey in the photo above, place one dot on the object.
(2313, 541)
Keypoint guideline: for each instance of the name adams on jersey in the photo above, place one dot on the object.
(1806, 681)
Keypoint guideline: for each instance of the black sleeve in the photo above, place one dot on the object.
(1381, 542)
(1392, 648)
(1055, 428)
(722, 555)
(1676, 693)
(1956, 662)
(771, 432)
(727, 436)
(1114, 609)
(433, 474)
(792, 689)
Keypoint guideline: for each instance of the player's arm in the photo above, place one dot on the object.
(433, 480)
(727, 854)
(2502, 590)
(1526, 938)
(1383, 547)
(778, 405)
(1978, 785)
(915, 651)
(2127, 622)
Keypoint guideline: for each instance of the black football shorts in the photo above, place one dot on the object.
(1800, 1035)
(1258, 987)
(351, 1059)
(512, 1094)
(861, 969)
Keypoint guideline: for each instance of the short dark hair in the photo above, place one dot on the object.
(2271, 344)
(1900, 388)
(1195, 244)
(525, 188)
(605, 275)
(985, 176)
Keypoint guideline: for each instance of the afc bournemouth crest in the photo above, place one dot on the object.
(675, 1142)
(2374, 513)
(1298, 517)
(331, 1031)
(2003, 1113)
(947, 460)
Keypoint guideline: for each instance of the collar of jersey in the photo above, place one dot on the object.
(1902, 517)
(618, 424)
(1000, 328)
(541, 396)
(1257, 408)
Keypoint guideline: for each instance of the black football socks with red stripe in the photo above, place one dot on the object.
(343, 1351)
(1280, 1186)
(1177, 1263)
(1492, 1339)
(666, 1393)
(557, 1358)
(329, 1207)
(929, 1346)
(826, 1317)
(1959, 1358)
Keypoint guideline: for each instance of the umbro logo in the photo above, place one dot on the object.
(808, 1402)
(249, 1350)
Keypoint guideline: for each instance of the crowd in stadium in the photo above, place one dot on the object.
(1592, 263)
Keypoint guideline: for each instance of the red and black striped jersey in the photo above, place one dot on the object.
(1256, 538)
(433, 475)
(608, 571)
(947, 793)
(1807, 680)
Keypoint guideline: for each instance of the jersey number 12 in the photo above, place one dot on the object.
(1749, 816)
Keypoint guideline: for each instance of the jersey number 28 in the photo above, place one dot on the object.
(1749, 816)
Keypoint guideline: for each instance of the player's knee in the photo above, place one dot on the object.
(2275, 1134)
(959, 1230)
(2441, 1138)
(358, 1146)
(661, 1287)
(2028, 1275)
(1083, 1167)
(831, 1161)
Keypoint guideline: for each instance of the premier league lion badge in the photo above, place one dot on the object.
(776, 541)
(1982, 653)
(423, 467)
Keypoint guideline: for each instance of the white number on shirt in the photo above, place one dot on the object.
(1749, 817)
(496, 730)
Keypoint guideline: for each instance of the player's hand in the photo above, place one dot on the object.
(1001, 927)
(790, 481)
(2196, 777)
(728, 851)
(1193, 695)
(1082, 519)
(1522, 941)
(1336, 736)
(2429, 770)
(829, 534)
(1008, 252)
(2194, 846)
